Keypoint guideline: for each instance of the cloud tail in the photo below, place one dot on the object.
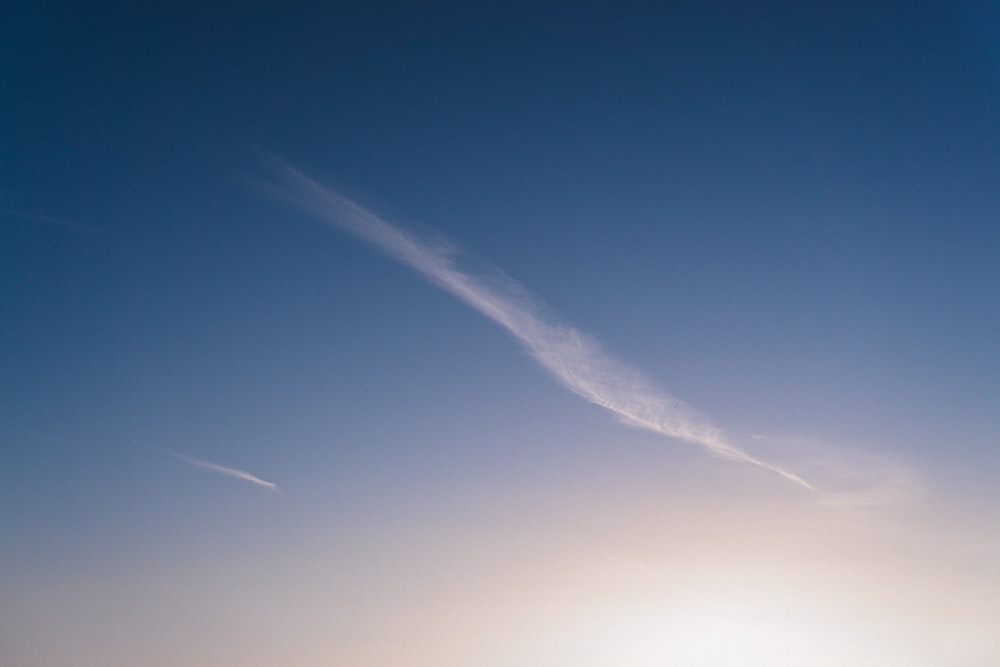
(222, 470)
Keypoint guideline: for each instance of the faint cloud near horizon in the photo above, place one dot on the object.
(235, 473)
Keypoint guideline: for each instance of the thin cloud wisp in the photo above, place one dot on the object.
(223, 470)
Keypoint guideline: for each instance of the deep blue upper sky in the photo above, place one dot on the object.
(822, 175)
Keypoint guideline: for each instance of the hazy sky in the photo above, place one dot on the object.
(500, 334)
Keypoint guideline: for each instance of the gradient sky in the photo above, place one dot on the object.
(246, 421)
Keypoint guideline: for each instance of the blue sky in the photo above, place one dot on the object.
(775, 222)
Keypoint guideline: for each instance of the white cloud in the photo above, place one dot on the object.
(573, 358)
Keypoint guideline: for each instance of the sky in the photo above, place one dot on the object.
(580, 334)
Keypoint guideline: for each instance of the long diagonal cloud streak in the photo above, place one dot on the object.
(570, 356)
(223, 470)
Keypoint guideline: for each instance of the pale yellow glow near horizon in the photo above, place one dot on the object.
(625, 576)
(723, 632)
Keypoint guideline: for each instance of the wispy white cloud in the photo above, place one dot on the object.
(573, 358)
(222, 470)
